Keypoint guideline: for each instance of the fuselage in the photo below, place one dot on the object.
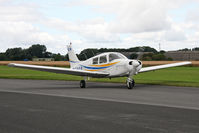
(116, 64)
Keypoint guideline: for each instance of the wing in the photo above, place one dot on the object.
(152, 68)
(60, 70)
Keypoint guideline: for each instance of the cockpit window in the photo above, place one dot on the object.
(115, 56)
(95, 60)
(103, 59)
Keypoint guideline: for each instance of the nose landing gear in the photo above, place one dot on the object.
(82, 84)
(130, 83)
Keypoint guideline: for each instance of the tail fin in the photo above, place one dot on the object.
(72, 56)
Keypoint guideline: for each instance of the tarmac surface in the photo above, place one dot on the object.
(44, 106)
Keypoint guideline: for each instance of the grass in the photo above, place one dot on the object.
(177, 76)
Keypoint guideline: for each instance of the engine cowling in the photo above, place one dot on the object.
(134, 66)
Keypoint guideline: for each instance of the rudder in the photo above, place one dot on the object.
(72, 56)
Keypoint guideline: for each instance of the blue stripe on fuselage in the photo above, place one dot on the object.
(94, 68)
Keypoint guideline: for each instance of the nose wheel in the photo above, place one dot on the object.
(130, 83)
(82, 84)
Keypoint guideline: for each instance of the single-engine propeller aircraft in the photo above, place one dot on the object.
(105, 65)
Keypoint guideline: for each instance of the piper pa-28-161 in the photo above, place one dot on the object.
(105, 65)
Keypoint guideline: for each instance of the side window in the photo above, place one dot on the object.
(103, 59)
(95, 60)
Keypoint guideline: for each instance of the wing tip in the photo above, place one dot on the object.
(11, 64)
(188, 62)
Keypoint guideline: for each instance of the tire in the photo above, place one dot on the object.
(82, 84)
(131, 84)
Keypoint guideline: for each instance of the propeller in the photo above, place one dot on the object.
(134, 66)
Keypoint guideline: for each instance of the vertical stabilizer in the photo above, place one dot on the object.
(72, 56)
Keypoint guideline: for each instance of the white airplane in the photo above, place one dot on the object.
(105, 65)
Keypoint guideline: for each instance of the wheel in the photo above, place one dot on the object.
(82, 84)
(133, 83)
(130, 84)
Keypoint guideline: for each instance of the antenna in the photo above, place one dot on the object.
(159, 47)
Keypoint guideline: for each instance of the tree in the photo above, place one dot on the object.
(14, 53)
(87, 53)
(66, 58)
(149, 49)
(37, 50)
(195, 49)
(162, 52)
(58, 57)
(158, 57)
(48, 55)
(133, 56)
(154, 56)
(135, 49)
(2, 57)
(147, 57)
(185, 49)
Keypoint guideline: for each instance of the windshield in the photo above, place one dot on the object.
(116, 56)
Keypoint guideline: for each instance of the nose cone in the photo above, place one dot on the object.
(134, 66)
(135, 63)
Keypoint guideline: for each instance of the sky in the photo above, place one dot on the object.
(174, 24)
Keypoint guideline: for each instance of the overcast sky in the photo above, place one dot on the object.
(99, 23)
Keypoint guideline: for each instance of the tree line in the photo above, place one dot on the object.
(187, 49)
(87, 53)
(34, 51)
(40, 51)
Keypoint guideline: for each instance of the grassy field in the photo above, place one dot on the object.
(177, 76)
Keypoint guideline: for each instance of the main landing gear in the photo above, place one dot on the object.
(82, 84)
(130, 83)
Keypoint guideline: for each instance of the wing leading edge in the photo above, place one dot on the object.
(152, 68)
(60, 70)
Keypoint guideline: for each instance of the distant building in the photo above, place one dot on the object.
(183, 55)
(43, 59)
